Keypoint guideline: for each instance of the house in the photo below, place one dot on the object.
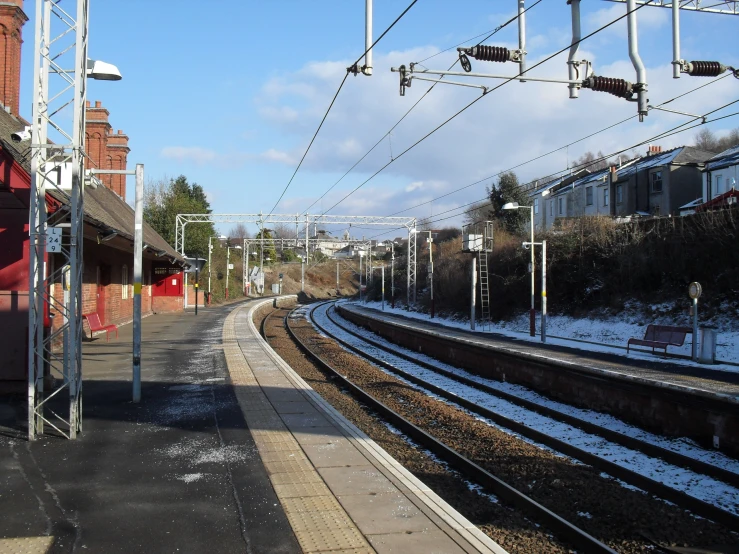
(107, 279)
(660, 183)
(721, 174)
(550, 199)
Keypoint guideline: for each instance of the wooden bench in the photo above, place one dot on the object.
(661, 336)
(93, 320)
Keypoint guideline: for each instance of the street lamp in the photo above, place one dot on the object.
(430, 242)
(228, 263)
(532, 312)
(210, 272)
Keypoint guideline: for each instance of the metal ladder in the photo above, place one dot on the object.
(484, 289)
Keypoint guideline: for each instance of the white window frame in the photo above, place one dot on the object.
(536, 206)
(124, 282)
(718, 185)
(551, 207)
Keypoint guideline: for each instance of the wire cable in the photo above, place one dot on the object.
(502, 26)
(556, 149)
(419, 141)
(332, 104)
(668, 133)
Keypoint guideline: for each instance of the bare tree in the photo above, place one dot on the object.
(479, 211)
(283, 231)
(706, 139)
(591, 162)
(238, 233)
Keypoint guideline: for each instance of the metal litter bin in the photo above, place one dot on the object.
(708, 336)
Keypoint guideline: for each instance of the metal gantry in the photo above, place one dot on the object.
(59, 82)
(580, 72)
(408, 223)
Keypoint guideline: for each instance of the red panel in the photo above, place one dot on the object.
(167, 281)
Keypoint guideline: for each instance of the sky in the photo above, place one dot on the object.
(230, 92)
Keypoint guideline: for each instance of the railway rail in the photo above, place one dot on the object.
(567, 530)
(634, 478)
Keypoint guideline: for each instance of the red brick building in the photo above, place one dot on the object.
(107, 286)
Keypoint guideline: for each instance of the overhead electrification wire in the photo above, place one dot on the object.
(334, 100)
(668, 133)
(484, 94)
(493, 32)
(609, 127)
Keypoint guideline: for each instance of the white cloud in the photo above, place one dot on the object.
(507, 127)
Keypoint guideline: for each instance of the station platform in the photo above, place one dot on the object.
(340, 490)
(228, 451)
(657, 370)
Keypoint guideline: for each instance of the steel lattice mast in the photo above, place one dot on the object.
(59, 83)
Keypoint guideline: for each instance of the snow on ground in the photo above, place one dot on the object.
(697, 485)
(601, 334)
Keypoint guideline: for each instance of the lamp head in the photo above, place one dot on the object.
(510, 206)
(103, 71)
(20, 136)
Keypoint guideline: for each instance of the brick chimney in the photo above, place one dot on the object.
(97, 129)
(118, 155)
(12, 19)
(653, 150)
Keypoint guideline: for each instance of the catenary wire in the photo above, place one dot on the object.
(670, 132)
(419, 141)
(332, 104)
(502, 26)
(556, 149)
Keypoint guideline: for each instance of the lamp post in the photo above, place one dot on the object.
(210, 272)
(532, 312)
(430, 240)
(228, 263)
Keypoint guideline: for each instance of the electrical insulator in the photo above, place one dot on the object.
(489, 53)
(705, 69)
(617, 87)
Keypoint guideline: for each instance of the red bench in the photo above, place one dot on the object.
(661, 336)
(93, 320)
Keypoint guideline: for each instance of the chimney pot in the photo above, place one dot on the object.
(120, 132)
(98, 104)
(87, 103)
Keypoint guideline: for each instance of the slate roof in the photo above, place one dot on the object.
(680, 155)
(726, 158)
(103, 208)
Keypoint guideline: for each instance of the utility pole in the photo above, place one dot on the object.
(392, 273)
(473, 292)
(337, 278)
(431, 271)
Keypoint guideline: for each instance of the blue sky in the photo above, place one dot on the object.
(229, 93)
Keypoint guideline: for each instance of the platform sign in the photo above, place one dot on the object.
(54, 240)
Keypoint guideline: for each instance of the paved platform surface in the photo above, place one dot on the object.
(178, 472)
(698, 379)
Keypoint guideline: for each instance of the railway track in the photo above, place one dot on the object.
(634, 478)
(563, 528)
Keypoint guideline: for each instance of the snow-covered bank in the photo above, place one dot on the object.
(603, 333)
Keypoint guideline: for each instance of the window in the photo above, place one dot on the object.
(536, 206)
(656, 179)
(588, 196)
(561, 204)
(719, 189)
(605, 197)
(551, 207)
(619, 194)
(124, 282)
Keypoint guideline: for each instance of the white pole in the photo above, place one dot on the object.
(532, 314)
(675, 39)
(543, 290)
(367, 69)
(694, 353)
(383, 288)
(228, 263)
(210, 249)
(337, 277)
(392, 273)
(138, 239)
(360, 276)
(302, 273)
(522, 36)
(473, 293)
